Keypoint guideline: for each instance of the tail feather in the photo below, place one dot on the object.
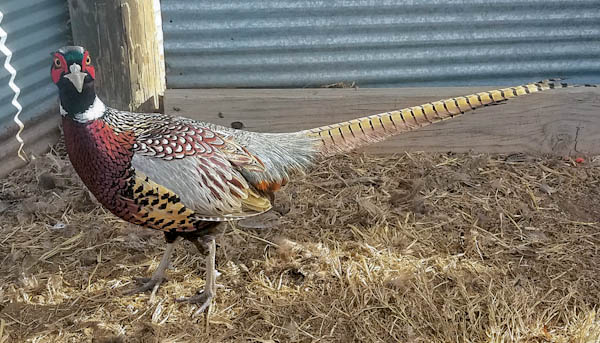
(349, 135)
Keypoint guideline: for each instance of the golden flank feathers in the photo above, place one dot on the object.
(159, 208)
(256, 202)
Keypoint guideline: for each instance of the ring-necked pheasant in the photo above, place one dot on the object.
(184, 177)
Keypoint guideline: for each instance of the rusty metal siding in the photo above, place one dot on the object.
(306, 43)
(34, 29)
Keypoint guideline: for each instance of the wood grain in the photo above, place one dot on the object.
(121, 38)
(560, 121)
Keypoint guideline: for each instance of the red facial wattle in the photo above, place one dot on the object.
(58, 68)
(86, 66)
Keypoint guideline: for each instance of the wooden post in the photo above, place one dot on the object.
(121, 38)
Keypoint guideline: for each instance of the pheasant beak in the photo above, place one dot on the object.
(76, 76)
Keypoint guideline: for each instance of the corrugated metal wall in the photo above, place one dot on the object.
(34, 29)
(298, 43)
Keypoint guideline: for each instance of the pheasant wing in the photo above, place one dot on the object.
(203, 168)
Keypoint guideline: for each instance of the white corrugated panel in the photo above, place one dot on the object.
(304, 43)
(34, 29)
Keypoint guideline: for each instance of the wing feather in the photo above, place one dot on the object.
(203, 168)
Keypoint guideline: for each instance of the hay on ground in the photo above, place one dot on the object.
(416, 247)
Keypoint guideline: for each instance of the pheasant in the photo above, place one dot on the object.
(184, 177)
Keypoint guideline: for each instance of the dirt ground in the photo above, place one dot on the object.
(407, 248)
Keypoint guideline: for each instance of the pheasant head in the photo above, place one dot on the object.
(73, 73)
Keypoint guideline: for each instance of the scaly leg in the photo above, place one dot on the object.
(204, 297)
(158, 276)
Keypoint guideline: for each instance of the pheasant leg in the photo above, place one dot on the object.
(157, 277)
(205, 296)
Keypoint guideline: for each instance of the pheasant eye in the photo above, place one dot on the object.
(88, 60)
(57, 63)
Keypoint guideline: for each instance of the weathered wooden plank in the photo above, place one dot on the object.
(121, 38)
(561, 121)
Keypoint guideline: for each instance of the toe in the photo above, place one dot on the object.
(145, 284)
(142, 280)
(202, 299)
(194, 299)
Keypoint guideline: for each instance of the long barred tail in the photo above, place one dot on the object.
(349, 135)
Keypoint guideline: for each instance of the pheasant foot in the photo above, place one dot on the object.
(158, 277)
(203, 299)
(205, 296)
(146, 284)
